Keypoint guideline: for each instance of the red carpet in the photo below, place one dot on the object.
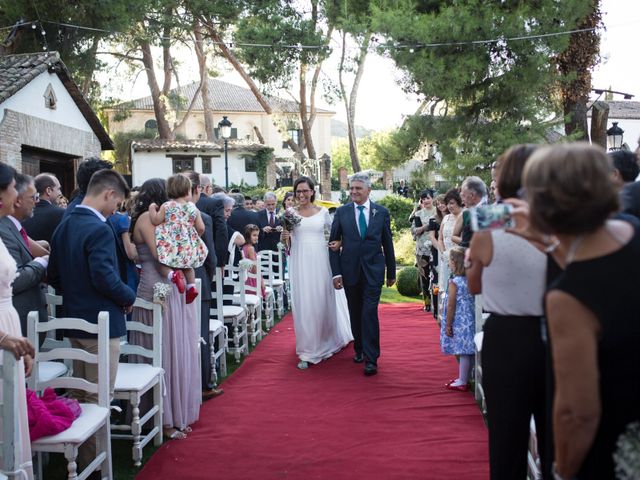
(330, 421)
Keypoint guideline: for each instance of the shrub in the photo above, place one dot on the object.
(399, 208)
(407, 282)
(404, 247)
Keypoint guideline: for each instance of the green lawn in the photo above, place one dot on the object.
(391, 295)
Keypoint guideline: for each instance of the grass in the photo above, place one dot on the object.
(123, 468)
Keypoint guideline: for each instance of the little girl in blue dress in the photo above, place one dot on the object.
(459, 327)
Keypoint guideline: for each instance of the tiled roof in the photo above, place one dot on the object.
(194, 145)
(623, 109)
(16, 71)
(224, 97)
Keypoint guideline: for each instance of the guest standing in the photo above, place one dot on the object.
(269, 224)
(86, 169)
(47, 215)
(180, 331)
(420, 219)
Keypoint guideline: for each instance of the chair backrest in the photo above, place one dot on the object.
(53, 301)
(10, 439)
(271, 262)
(235, 277)
(254, 272)
(216, 294)
(101, 329)
(155, 330)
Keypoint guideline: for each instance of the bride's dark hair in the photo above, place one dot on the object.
(309, 182)
(153, 190)
(7, 174)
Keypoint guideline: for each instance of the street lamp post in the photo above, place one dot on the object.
(614, 137)
(225, 131)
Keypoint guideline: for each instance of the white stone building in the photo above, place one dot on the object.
(46, 124)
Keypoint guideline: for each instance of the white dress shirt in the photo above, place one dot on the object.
(98, 214)
(42, 261)
(367, 210)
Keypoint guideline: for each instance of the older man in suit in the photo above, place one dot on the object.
(46, 214)
(83, 267)
(28, 290)
(269, 224)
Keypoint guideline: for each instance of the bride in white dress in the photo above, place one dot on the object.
(320, 313)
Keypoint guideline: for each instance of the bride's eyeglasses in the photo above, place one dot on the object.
(298, 192)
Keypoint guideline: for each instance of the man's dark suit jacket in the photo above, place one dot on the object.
(240, 218)
(83, 268)
(207, 271)
(28, 290)
(46, 218)
(268, 241)
(630, 199)
(214, 207)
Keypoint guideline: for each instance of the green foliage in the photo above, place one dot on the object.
(122, 143)
(404, 247)
(485, 96)
(408, 281)
(399, 208)
(263, 156)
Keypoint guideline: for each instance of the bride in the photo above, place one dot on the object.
(320, 313)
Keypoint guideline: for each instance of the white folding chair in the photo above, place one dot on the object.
(273, 276)
(233, 315)
(50, 370)
(249, 297)
(94, 419)
(133, 380)
(10, 429)
(218, 335)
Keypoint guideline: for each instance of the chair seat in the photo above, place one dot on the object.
(249, 299)
(136, 376)
(232, 311)
(49, 370)
(215, 325)
(276, 283)
(90, 420)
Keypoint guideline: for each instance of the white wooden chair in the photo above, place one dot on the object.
(10, 429)
(247, 296)
(273, 276)
(233, 315)
(218, 335)
(50, 370)
(133, 380)
(94, 419)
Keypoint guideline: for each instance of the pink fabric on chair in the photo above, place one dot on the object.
(48, 415)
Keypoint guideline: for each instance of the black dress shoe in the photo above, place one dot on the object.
(370, 369)
(358, 358)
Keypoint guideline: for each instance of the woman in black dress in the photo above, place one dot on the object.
(594, 326)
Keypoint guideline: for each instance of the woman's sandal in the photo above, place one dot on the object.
(174, 434)
(187, 429)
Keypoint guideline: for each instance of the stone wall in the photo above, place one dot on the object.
(17, 129)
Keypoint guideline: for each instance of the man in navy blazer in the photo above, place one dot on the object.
(47, 215)
(268, 222)
(367, 249)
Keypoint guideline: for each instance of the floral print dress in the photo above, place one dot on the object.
(177, 241)
(464, 321)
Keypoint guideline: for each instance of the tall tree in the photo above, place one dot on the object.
(490, 91)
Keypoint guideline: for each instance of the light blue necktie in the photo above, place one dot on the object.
(362, 222)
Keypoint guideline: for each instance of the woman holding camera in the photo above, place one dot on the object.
(510, 274)
(420, 219)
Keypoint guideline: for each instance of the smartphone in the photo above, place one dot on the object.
(491, 217)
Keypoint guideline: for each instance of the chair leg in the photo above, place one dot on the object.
(157, 418)
(106, 441)
(135, 429)
(223, 357)
(212, 358)
(71, 454)
(236, 343)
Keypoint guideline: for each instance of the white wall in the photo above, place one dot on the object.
(631, 129)
(146, 165)
(30, 101)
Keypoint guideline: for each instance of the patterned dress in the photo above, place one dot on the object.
(464, 323)
(177, 241)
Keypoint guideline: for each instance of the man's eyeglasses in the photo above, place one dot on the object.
(35, 197)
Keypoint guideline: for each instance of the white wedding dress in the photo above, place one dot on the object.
(320, 313)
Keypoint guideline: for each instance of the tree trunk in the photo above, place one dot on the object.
(575, 119)
(159, 107)
(306, 127)
(259, 135)
(599, 119)
(209, 125)
(86, 82)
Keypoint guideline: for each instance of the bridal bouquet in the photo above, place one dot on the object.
(290, 219)
(627, 455)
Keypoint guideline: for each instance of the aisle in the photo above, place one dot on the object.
(330, 421)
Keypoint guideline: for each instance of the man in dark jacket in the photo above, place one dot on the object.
(269, 224)
(46, 214)
(215, 209)
(240, 216)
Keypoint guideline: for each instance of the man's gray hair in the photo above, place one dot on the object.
(476, 185)
(227, 201)
(360, 177)
(239, 199)
(22, 182)
(270, 196)
(205, 181)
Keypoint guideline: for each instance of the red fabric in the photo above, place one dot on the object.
(332, 422)
(47, 415)
(25, 237)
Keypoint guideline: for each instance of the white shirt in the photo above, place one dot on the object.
(98, 214)
(367, 209)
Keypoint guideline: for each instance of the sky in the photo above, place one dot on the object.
(382, 104)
